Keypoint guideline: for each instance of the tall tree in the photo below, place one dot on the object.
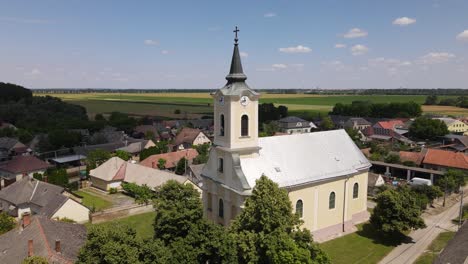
(426, 128)
(7, 223)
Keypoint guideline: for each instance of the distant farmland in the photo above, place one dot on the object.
(193, 105)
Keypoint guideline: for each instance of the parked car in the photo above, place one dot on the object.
(420, 181)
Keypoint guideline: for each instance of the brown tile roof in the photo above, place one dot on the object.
(186, 135)
(171, 158)
(390, 124)
(415, 157)
(24, 164)
(446, 158)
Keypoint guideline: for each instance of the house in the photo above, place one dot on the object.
(113, 146)
(171, 158)
(194, 173)
(189, 137)
(142, 131)
(456, 251)
(357, 123)
(37, 197)
(454, 125)
(324, 173)
(19, 167)
(374, 181)
(58, 242)
(415, 157)
(442, 160)
(136, 147)
(11, 147)
(387, 131)
(114, 171)
(457, 143)
(294, 124)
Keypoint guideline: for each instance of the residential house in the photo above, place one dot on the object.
(442, 160)
(454, 125)
(136, 147)
(457, 143)
(189, 137)
(374, 181)
(58, 242)
(113, 172)
(324, 173)
(142, 131)
(387, 131)
(19, 167)
(171, 158)
(294, 124)
(11, 147)
(37, 197)
(357, 123)
(414, 157)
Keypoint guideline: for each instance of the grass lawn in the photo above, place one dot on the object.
(91, 200)
(142, 223)
(363, 246)
(435, 247)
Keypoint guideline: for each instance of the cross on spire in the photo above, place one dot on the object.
(235, 32)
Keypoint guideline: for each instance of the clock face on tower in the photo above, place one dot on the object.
(244, 100)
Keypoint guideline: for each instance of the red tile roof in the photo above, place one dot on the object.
(389, 124)
(171, 158)
(446, 158)
(24, 164)
(415, 157)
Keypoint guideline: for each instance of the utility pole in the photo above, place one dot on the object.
(445, 191)
(461, 209)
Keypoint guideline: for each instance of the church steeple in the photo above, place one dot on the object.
(236, 74)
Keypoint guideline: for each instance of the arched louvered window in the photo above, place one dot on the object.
(355, 190)
(221, 208)
(331, 201)
(221, 126)
(244, 126)
(299, 208)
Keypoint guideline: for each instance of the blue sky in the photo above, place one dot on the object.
(188, 44)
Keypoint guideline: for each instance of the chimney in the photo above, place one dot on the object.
(153, 164)
(26, 220)
(30, 248)
(58, 247)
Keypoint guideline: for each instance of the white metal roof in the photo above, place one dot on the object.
(69, 158)
(302, 158)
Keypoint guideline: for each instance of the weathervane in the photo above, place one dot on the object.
(235, 32)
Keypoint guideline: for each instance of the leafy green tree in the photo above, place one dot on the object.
(392, 158)
(267, 231)
(160, 147)
(57, 176)
(123, 155)
(35, 260)
(161, 164)
(396, 211)
(7, 223)
(203, 153)
(122, 121)
(38, 176)
(181, 166)
(425, 128)
(452, 180)
(270, 128)
(61, 138)
(149, 135)
(142, 194)
(431, 100)
(327, 123)
(99, 117)
(96, 158)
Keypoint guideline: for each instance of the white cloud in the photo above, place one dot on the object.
(297, 49)
(279, 66)
(244, 54)
(340, 46)
(359, 50)
(270, 14)
(436, 57)
(404, 21)
(463, 35)
(164, 52)
(355, 33)
(151, 42)
(35, 71)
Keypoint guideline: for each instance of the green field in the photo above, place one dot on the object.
(142, 223)
(434, 248)
(193, 105)
(90, 201)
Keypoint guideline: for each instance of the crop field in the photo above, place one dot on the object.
(195, 105)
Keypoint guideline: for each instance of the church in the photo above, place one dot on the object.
(324, 173)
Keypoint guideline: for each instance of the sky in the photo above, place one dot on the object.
(188, 44)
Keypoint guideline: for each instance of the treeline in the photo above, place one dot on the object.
(385, 110)
(461, 101)
(268, 112)
(12, 93)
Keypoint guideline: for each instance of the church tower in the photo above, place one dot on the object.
(236, 109)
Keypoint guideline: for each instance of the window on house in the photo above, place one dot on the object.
(221, 208)
(220, 165)
(331, 201)
(356, 190)
(244, 126)
(221, 127)
(299, 208)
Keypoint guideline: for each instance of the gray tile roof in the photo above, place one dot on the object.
(291, 119)
(456, 251)
(44, 233)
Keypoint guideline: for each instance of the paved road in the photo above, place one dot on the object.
(422, 238)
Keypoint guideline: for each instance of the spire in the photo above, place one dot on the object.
(236, 74)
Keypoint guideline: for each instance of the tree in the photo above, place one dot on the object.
(392, 158)
(431, 100)
(160, 147)
(267, 231)
(7, 223)
(327, 123)
(396, 211)
(161, 164)
(425, 128)
(181, 166)
(57, 176)
(142, 194)
(96, 158)
(270, 128)
(35, 260)
(123, 155)
(61, 138)
(99, 117)
(203, 152)
(122, 121)
(452, 180)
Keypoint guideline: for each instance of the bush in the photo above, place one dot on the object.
(392, 158)
(177, 111)
(142, 194)
(409, 163)
(7, 223)
(113, 190)
(35, 260)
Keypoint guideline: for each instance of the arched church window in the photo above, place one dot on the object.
(244, 126)
(221, 127)
(221, 165)
(299, 208)
(331, 201)
(356, 190)
(221, 208)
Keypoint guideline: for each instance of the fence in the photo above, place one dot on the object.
(119, 212)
